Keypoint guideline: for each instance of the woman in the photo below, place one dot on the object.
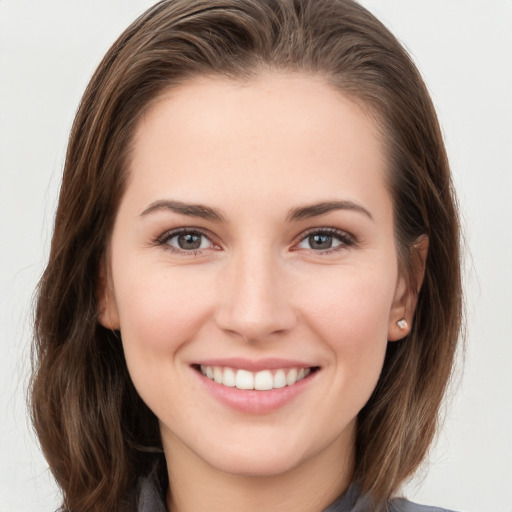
(254, 283)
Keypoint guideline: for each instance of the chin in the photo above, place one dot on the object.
(257, 465)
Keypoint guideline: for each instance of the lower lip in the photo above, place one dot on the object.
(252, 401)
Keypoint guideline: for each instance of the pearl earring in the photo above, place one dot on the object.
(402, 323)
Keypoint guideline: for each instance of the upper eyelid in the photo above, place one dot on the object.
(170, 233)
(327, 230)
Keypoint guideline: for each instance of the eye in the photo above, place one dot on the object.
(186, 240)
(325, 240)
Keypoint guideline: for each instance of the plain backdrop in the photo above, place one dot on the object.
(48, 51)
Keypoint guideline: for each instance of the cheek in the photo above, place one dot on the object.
(350, 315)
(352, 303)
(160, 310)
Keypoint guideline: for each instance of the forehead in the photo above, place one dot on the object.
(285, 134)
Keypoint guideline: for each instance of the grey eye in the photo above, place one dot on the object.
(189, 241)
(320, 241)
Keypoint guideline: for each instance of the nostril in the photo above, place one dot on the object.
(253, 323)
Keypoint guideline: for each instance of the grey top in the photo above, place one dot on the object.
(151, 499)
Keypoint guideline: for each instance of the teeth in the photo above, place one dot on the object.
(280, 379)
(261, 381)
(229, 378)
(218, 375)
(291, 378)
(244, 380)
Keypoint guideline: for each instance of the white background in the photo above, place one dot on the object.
(49, 49)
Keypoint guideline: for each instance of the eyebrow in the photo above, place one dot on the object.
(192, 210)
(295, 214)
(314, 210)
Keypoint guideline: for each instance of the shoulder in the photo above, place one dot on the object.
(151, 489)
(403, 505)
(353, 501)
(149, 497)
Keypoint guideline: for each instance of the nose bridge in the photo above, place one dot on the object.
(255, 302)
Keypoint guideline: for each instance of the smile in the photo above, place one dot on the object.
(261, 381)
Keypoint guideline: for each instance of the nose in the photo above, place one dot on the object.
(255, 299)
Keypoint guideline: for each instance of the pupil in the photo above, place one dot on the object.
(189, 241)
(320, 241)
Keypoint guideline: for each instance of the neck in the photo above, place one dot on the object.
(308, 487)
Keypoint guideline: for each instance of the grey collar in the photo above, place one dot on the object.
(151, 498)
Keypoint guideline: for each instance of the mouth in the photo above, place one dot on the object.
(262, 380)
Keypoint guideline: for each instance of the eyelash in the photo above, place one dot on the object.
(163, 240)
(346, 240)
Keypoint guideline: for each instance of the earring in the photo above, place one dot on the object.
(402, 323)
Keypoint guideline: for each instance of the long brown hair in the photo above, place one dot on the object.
(94, 429)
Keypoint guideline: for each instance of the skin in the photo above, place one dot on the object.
(255, 152)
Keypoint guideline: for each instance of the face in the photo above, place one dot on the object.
(253, 271)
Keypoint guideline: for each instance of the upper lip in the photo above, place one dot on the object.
(253, 365)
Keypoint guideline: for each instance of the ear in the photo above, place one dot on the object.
(407, 291)
(108, 316)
